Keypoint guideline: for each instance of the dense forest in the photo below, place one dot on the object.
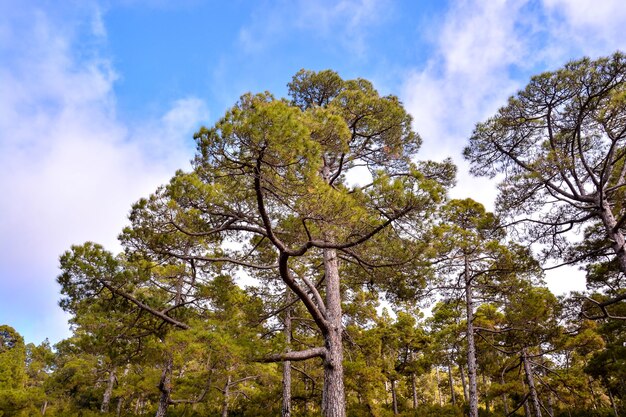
(309, 264)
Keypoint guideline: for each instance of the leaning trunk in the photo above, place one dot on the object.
(614, 234)
(108, 391)
(471, 347)
(286, 406)
(531, 385)
(165, 386)
(333, 396)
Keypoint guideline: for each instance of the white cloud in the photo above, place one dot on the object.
(485, 51)
(346, 21)
(69, 169)
(591, 22)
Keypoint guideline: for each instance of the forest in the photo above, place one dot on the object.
(311, 264)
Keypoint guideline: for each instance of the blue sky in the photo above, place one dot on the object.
(99, 99)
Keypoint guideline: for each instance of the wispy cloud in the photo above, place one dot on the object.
(69, 169)
(486, 51)
(346, 21)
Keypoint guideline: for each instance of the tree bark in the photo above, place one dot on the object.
(394, 398)
(120, 402)
(451, 383)
(414, 389)
(613, 406)
(333, 395)
(505, 401)
(439, 387)
(108, 391)
(614, 234)
(165, 386)
(286, 406)
(464, 383)
(531, 384)
(471, 346)
(226, 392)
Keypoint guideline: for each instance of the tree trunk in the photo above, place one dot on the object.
(414, 388)
(505, 401)
(614, 234)
(137, 405)
(165, 386)
(120, 402)
(439, 387)
(226, 394)
(612, 402)
(286, 406)
(550, 405)
(464, 383)
(451, 382)
(394, 398)
(333, 395)
(108, 391)
(531, 385)
(471, 346)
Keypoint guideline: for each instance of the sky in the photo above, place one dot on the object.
(99, 99)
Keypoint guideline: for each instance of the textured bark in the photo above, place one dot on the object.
(614, 233)
(471, 346)
(226, 392)
(165, 386)
(286, 405)
(531, 385)
(394, 397)
(108, 391)
(464, 383)
(333, 395)
(451, 383)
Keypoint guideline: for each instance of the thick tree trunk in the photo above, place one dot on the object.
(333, 395)
(394, 398)
(471, 346)
(165, 386)
(451, 383)
(286, 406)
(414, 389)
(531, 384)
(108, 391)
(614, 234)
(464, 383)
